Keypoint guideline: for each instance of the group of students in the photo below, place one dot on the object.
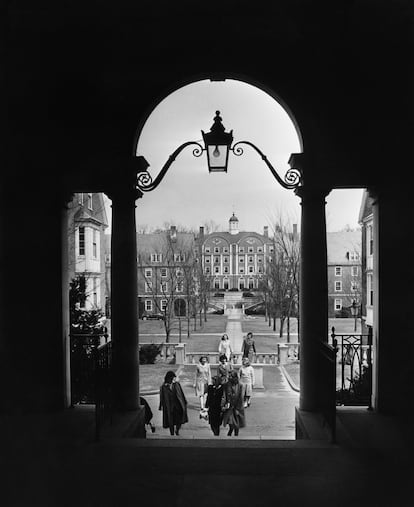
(223, 397)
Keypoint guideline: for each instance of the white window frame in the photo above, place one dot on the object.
(216, 249)
(94, 243)
(217, 270)
(156, 257)
(207, 270)
(164, 287)
(148, 286)
(338, 305)
(164, 272)
(163, 304)
(338, 286)
(90, 202)
(251, 269)
(241, 270)
(180, 286)
(241, 249)
(82, 242)
(148, 272)
(354, 271)
(225, 260)
(338, 270)
(148, 305)
(80, 198)
(250, 249)
(226, 270)
(207, 250)
(259, 249)
(354, 287)
(179, 257)
(225, 250)
(216, 283)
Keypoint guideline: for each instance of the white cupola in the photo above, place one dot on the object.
(234, 224)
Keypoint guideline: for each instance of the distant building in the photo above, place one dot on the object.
(167, 278)
(234, 259)
(87, 222)
(344, 272)
(366, 221)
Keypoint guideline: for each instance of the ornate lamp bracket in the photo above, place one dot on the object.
(292, 178)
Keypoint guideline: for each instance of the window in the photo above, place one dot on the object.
(353, 256)
(241, 259)
(338, 305)
(251, 283)
(241, 249)
(81, 240)
(354, 271)
(216, 284)
(250, 259)
(148, 273)
(250, 249)
(80, 198)
(226, 269)
(338, 271)
(226, 260)
(207, 271)
(148, 286)
(225, 250)
(90, 205)
(95, 293)
(217, 269)
(164, 304)
(163, 272)
(164, 287)
(148, 305)
(260, 269)
(94, 244)
(216, 249)
(259, 249)
(251, 269)
(370, 290)
(156, 257)
(225, 284)
(354, 287)
(207, 259)
(260, 259)
(207, 250)
(217, 260)
(370, 241)
(180, 286)
(271, 249)
(241, 284)
(179, 272)
(241, 270)
(179, 257)
(338, 286)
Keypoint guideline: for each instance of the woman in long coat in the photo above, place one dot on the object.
(249, 346)
(173, 404)
(214, 404)
(233, 405)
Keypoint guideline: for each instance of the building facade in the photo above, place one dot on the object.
(366, 220)
(87, 222)
(167, 272)
(344, 272)
(234, 260)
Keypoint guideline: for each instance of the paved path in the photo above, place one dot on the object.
(234, 329)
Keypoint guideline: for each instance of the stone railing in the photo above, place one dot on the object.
(213, 358)
(168, 350)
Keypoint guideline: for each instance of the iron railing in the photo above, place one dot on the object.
(82, 366)
(103, 387)
(354, 362)
(327, 385)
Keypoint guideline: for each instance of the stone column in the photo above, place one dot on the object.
(313, 292)
(124, 293)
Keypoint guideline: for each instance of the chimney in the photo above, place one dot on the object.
(173, 233)
(295, 231)
(266, 231)
(201, 231)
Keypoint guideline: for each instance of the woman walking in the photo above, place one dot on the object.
(233, 405)
(202, 381)
(224, 369)
(248, 346)
(173, 404)
(225, 347)
(214, 405)
(246, 377)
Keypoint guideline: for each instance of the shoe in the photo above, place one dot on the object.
(230, 432)
(248, 403)
(177, 432)
(245, 404)
(153, 429)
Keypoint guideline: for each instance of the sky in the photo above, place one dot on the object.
(189, 195)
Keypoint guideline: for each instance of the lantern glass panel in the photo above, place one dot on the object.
(217, 157)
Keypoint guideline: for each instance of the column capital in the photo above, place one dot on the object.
(311, 192)
(122, 182)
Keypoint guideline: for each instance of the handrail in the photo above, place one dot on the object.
(327, 385)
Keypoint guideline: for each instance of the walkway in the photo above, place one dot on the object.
(271, 414)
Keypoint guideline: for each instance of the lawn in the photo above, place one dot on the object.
(293, 371)
(151, 376)
(214, 324)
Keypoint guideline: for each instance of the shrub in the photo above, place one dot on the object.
(149, 353)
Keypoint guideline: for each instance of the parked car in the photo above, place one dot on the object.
(152, 316)
(256, 310)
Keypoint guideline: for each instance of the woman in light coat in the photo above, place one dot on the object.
(202, 381)
(225, 347)
(246, 377)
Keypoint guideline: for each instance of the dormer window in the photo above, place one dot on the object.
(90, 204)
